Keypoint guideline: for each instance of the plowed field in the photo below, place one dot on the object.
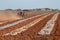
(38, 27)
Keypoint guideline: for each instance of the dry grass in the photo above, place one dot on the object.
(8, 16)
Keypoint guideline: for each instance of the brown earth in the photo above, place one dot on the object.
(31, 33)
(18, 25)
(7, 17)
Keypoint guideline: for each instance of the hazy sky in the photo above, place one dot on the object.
(28, 4)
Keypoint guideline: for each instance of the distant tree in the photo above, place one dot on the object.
(47, 9)
(38, 9)
(26, 10)
(56, 10)
(9, 9)
(53, 10)
(18, 9)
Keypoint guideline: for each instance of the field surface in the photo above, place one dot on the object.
(36, 27)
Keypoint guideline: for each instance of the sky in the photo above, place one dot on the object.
(29, 4)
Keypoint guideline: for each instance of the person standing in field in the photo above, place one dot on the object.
(21, 13)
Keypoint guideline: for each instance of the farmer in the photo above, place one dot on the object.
(21, 13)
